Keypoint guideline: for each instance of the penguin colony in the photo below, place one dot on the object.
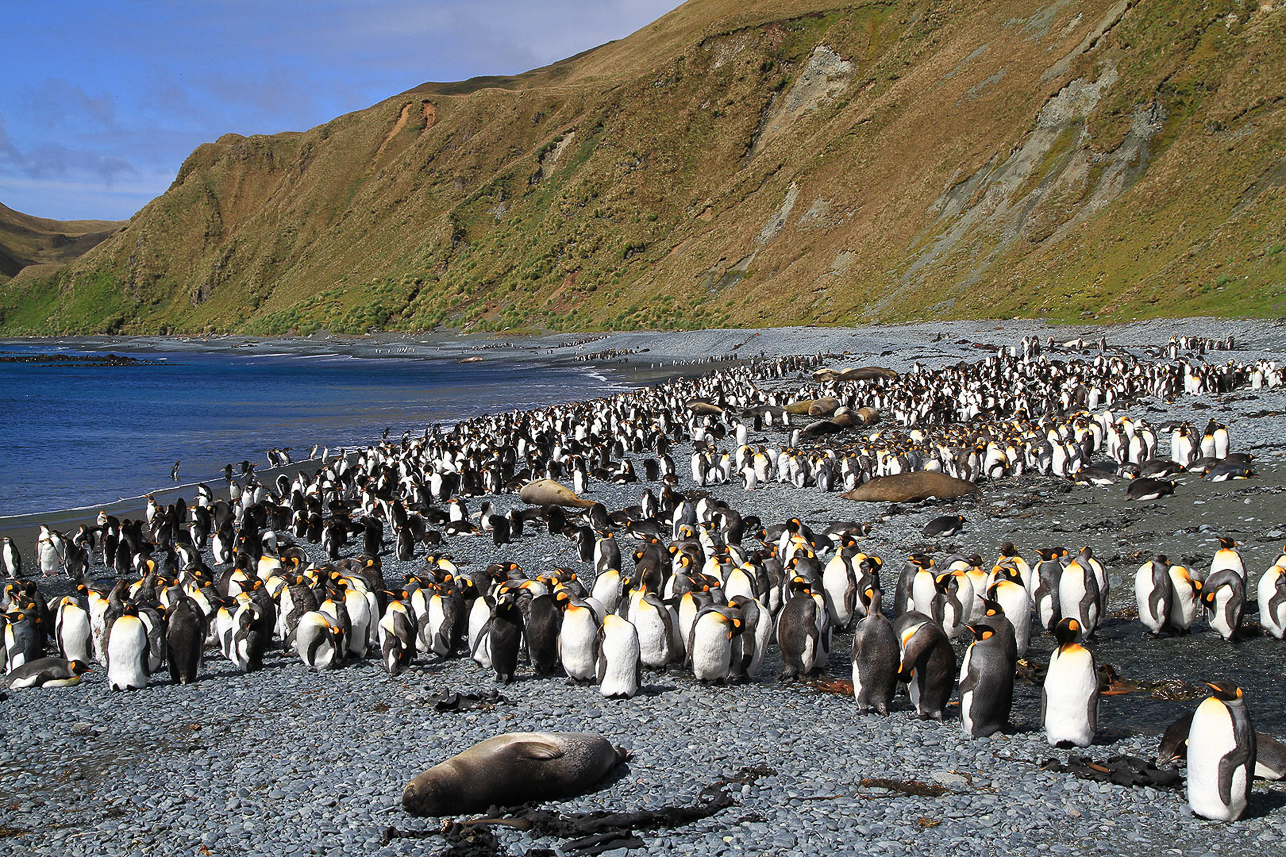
(681, 578)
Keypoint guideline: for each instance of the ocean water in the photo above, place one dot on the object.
(78, 436)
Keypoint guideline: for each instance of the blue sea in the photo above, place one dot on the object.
(83, 435)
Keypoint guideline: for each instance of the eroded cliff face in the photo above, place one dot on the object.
(738, 164)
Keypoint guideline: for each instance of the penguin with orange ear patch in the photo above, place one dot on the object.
(1069, 700)
(875, 660)
(927, 663)
(710, 642)
(987, 682)
(1221, 754)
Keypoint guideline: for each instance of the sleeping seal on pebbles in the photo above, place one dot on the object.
(513, 769)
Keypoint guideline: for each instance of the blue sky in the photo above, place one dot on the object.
(102, 101)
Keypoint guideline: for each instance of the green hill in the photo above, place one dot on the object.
(744, 163)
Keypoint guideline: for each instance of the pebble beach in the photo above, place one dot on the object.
(288, 761)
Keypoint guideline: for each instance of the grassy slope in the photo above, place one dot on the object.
(27, 240)
(734, 163)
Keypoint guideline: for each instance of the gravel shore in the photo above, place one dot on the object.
(288, 761)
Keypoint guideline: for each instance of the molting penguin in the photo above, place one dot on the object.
(986, 682)
(1069, 699)
(1221, 754)
(875, 661)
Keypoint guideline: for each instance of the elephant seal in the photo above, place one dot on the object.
(860, 373)
(906, 487)
(512, 769)
(822, 407)
(547, 492)
(702, 408)
(844, 418)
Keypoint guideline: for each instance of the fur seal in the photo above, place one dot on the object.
(512, 769)
(906, 487)
(547, 492)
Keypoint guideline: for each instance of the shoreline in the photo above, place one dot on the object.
(638, 359)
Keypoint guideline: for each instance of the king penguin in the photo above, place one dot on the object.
(620, 669)
(1069, 699)
(927, 664)
(875, 660)
(986, 682)
(127, 651)
(1154, 594)
(1224, 597)
(1272, 601)
(1221, 754)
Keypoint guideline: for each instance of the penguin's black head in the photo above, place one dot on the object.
(982, 632)
(1067, 631)
(1225, 691)
(79, 667)
(992, 607)
(1227, 543)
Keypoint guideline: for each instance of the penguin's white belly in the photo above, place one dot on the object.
(835, 581)
(576, 649)
(75, 636)
(1143, 597)
(922, 594)
(1209, 740)
(652, 641)
(1183, 610)
(1272, 620)
(711, 652)
(620, 676)
(1069, 684)
(1219, 619)
(126, 651)
(966, 697)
